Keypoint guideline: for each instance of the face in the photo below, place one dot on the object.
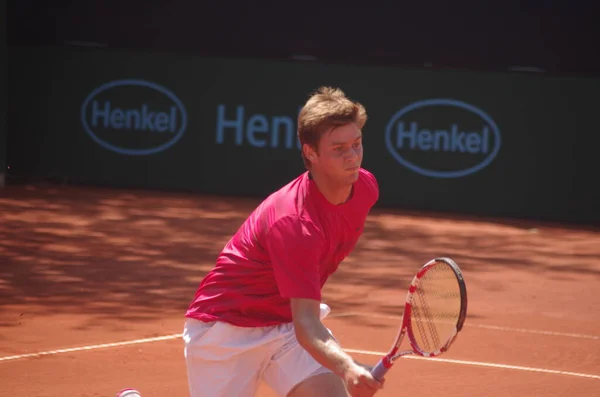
(339, 154)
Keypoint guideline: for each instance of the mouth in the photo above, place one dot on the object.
(352, 169)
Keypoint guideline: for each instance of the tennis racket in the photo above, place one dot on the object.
(434, 313)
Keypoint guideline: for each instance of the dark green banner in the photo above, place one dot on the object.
(480, 143)
(3, 93)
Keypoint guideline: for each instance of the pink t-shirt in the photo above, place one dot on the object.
(287, 248)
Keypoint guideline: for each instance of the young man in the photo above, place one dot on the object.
(257, 315)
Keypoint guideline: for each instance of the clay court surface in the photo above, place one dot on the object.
(94, 283)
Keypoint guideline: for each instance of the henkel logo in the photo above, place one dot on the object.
(442, 138)
(133, 117)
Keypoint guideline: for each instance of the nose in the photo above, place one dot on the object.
(352, 155)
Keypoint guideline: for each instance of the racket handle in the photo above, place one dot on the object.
(379, 370)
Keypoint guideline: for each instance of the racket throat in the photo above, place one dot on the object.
(400, 354)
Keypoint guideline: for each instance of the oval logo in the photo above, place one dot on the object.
(133, 117)
(442, 138)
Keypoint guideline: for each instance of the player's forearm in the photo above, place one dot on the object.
(319, 343)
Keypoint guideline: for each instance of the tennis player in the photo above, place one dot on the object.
(257, 315)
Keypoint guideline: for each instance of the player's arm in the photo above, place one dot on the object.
(294, 247)
(314, 337)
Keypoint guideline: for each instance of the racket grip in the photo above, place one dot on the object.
(379, 370)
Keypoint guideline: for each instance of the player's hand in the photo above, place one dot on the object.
(360, 383)
(365, 366)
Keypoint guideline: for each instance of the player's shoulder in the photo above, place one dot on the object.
(289, 202)
(367, 176)
(369, 180)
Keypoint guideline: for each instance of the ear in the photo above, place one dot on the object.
(309, 152)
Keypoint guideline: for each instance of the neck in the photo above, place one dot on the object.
(334, 192)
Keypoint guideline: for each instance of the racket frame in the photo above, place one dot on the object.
(388, 360)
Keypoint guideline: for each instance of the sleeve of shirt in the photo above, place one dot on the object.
(295, 247)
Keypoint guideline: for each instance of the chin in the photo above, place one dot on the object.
(353, 177)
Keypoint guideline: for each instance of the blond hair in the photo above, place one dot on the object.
(327, 108)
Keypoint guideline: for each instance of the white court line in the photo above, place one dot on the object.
(91, 347)
(482, 364)
(368, 352)
(468, 324)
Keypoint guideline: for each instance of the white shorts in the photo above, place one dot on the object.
(227, 361)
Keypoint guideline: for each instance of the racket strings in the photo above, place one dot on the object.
(426, 329)
(435, 308)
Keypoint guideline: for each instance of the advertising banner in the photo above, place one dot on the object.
(457, 141)
(3, 93)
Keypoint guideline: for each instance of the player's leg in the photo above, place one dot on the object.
(322, 385)
(222, 360)
(293, 372)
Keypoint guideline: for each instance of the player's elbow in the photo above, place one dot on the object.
(305, 332)
(305, 316)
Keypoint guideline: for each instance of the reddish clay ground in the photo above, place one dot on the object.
(91, 266)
